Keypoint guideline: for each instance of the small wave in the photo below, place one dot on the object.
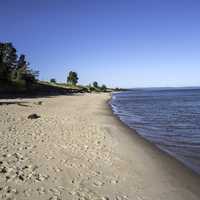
(168, 118)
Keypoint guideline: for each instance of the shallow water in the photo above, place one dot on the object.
(170, 118)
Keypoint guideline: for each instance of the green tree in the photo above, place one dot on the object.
(13, 69)
(103, 88)
(95, 84)
(8, 60)
(2, 69)
(21, 63)
(21, 68)
(90, 88)
(72, 78)
(53, 80)
(30, 77)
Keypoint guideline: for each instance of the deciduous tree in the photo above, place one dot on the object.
(72, 78)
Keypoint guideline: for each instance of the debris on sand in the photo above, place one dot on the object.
(33, 116)
(38, 103)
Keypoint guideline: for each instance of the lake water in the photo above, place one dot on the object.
(169, 118)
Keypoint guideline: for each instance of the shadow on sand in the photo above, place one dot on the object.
(19, 103)
(38, 91)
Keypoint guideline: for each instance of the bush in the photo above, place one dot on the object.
(103, 88)
(53, 80)
(95, 84)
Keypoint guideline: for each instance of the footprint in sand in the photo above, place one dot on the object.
(55, 198)
(57, 169)
(41, 190)
(98, 183)
(8, 192)
(56, 193)
(105, 198)
(124, 197)
(27, 192)
(114, 181)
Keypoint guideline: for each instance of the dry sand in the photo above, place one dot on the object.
(78, 150)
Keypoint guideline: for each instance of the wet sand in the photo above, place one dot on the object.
(78, 150)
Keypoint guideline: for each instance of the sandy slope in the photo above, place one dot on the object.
(78, 150)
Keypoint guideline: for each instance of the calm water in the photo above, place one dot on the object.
(168, 118)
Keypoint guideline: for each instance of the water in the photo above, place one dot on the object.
(170, 118)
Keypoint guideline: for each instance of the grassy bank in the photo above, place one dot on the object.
(45, 88)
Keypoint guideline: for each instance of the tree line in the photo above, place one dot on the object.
(72, 79)
(15, 68)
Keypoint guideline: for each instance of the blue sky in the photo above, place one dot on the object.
(125, 43)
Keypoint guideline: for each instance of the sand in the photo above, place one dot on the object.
(77, 150)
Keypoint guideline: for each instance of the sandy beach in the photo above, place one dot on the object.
(78, 150)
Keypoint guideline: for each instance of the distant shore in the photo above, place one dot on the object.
(77, 149)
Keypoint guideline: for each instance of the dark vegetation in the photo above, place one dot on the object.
(72, 78)
(18, 79)
(14, 69)
(53, 80)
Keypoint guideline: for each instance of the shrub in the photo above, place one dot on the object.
(53, 80)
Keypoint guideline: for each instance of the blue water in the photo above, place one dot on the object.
(169, 118)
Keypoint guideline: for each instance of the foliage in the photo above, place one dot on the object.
(96, 88)
(8, 60)
(15, 72)
(91, 88)
(72, 78)
(103, 88)
(53, 80)
(14, 69)
(30, 77)
(21, 69)
(95, 84)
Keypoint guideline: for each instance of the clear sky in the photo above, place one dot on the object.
(125, 43)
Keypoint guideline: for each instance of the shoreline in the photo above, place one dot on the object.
(78, 149)
(184, 173)
(133, 131)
